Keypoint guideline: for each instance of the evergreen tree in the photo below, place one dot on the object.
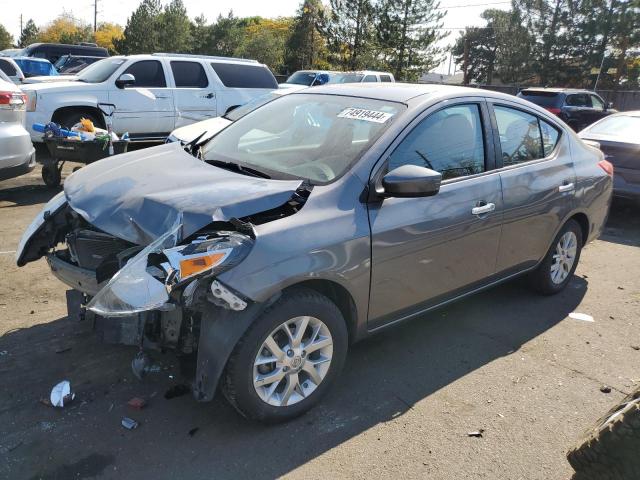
(408, 31)
(29, 34)
(200, 34)
(226, 35)
(142, 32)
(175, 28)
(6, 40)
(350, 33)
(306, 47)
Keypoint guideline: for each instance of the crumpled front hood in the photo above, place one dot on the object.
(138, 196)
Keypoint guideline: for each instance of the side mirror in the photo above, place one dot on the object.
(411, 181)
(125, 80)
(609, 105)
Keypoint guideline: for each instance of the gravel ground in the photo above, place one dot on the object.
(505, 361)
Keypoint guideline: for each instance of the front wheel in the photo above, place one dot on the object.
(556, 269)
(288, 359)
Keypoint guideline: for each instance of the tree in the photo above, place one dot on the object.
(6, 40)
(226, 35)
(29, 34)
(408, 32)
(350, 32)
(265, 41)
(141, 34)
(107, 35)
(175, 28)
(200, 34)
(66, 29)
(481, 48)
(306, 47)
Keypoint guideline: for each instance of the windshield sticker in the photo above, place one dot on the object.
(367, 115)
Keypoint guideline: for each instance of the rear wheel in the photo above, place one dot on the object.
(556, 269)
(288, 359)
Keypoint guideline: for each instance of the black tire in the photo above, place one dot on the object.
(238, 385)
(610, 451)
(540, 278)
(68, 120)
(51, 174)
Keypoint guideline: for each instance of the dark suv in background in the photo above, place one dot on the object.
(578, 108)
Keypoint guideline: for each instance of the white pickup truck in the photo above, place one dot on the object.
(153, 94)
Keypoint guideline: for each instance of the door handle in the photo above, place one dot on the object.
(481, 209)
(161, 96)
(567, 187)
(209, 95)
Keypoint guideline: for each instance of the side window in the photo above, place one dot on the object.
(449, 141)
(578, 100)
(237, 75)
(385, 78)
(519, 136)
(597, 103)
(8, 68)
(148, 73)
(189, 75)
(550, 136)
(370, 78)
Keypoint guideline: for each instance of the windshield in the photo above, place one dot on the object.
(101, 70)
(543, 99)
(623, 126)
(302, 78)
(314, 137)
(241, 111)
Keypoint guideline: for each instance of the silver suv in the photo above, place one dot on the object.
(316, 220)
(17, 154)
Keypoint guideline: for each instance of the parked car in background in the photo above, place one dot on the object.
(578, 108)
(17, 154)
(314, 221)
(365, 76)
(206, 128)
(35, 67)
(153, 94)
(310, 78)
(618, 136)
(11, 69)
(73, 64)
(53, 51)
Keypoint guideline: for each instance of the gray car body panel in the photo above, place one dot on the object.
(138, 196)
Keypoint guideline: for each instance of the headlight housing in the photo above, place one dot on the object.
(32, 100)
(146, 281)
(51, 208)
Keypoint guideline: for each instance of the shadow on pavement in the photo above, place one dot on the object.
(179, 438)
(623, 224)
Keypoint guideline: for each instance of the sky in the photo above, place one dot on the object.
(460, 14)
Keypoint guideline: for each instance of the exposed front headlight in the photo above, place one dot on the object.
(145, 282)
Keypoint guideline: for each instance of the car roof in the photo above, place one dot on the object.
(32, 59)
(556, 90)
(397, 92)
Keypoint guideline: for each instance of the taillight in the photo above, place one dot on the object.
(606, 166)
(554, 110)
(12, 101)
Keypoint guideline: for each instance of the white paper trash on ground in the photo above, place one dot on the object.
(61, 393)
(581, 316)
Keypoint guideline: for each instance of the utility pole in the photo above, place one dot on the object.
(465, 64)
(20, 25)
(95, 15)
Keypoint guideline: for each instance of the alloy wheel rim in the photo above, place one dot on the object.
(292, 361)
(564, 257)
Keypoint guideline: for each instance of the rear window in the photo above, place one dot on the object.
(302, 78)
(8, 68)
(385, 78)
(235, 75)
(544, 99)
(618, 126)
(189, 75)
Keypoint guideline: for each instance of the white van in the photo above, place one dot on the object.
(153, 94)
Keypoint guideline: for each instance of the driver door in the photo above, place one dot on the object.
(426, 250)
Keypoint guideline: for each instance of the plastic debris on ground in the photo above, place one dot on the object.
(581, 316)
(605, 389)
(61, 394)
(129, 423)
(137, 403)
(477, 433)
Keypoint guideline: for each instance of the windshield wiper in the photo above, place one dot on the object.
(238, 168)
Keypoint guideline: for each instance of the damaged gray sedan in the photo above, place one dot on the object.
(315, 220)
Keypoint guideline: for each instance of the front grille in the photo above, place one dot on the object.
(91, 249)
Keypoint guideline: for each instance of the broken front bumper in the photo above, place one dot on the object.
(81, 279)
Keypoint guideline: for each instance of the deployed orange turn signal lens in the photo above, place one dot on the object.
(193, 266)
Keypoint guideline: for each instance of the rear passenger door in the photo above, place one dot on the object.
(145, 110)
(538, 184)
(238, 82)
(194, 95)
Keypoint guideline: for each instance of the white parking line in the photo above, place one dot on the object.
(6, 252)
